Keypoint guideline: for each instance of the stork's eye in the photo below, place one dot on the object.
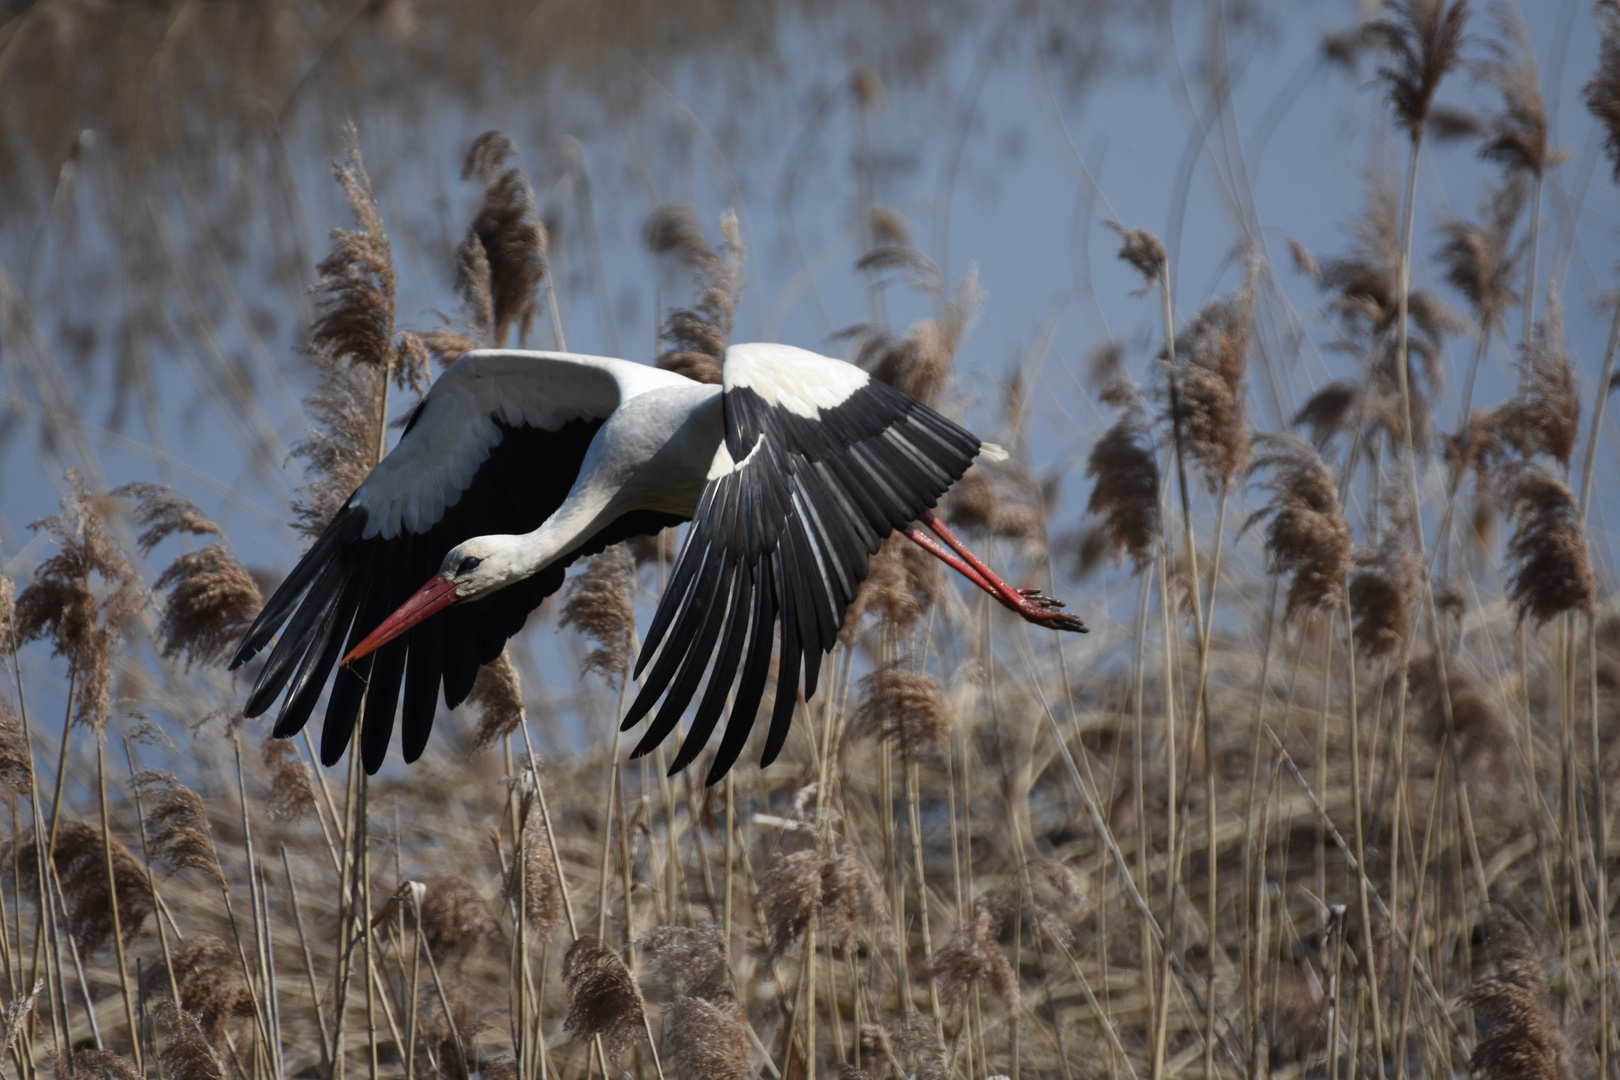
(468, 565)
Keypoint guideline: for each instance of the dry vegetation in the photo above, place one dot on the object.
(1336, 802)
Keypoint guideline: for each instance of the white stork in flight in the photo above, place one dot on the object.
(792, 472)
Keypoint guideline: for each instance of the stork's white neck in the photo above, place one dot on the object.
(653, 453)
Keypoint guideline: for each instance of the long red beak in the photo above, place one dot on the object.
(429, 600)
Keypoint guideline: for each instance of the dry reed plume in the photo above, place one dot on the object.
(177, 825)
(708, 1040)
(905, 707)
(61, 605)
(600, 604)
(79, 862)
(503, 259)
(1550, 573)
(696, 337)
(603, 999)
(1126, 495)
(1519, 1038)
(497, 698)
(1306, 535)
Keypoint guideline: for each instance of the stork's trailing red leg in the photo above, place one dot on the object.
(1028, 603)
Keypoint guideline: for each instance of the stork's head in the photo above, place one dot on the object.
(480, 566)
(472, 569)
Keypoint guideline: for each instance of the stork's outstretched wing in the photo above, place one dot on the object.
(819, 464)
(493, 448)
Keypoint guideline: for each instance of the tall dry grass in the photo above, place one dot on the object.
(1336, 801)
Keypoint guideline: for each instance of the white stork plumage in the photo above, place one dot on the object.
(792, 472)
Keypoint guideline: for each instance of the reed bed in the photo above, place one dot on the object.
(1336, 800)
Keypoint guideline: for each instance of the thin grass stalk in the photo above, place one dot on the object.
(1213, 903)
(1425, 983)
(112, 899)
(1532, 238)
(1161, 1021)
(1353, 717)
(44, 922)
(47, 850)
(309, 963)
(269, 1029)
(731, 857)
(914, 820)
(1251, 894)
(60, 899)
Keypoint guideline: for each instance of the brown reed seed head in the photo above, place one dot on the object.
(497, 696)
(973, 957)
(1142, 250)
(1293, 992)
(352, 344)
(688, 961)
(1126, 494)
(790, 894)
(1306, 534)
(601, 604)
(1479, 727)
(1209, 392)
(213, 991)
(505, 252)
(1544, 417)
(355, 313)
(177, 825)
(1480, 259)
(1602, 93)
(1514, 952)
(100, 1064)
(1516, 136)
(1329, 411)
(1381, 592)
(708, 1040)
(921, 363)
(292, 791)
(81, 868)
(186, 1053)
(602, 996)
(212, 601)
(698, 336)
(162, 512)
(8, 615)
(455, 918)
(902, 582)
(60, 604)
(1547, 552)
(535, 876)
(907, 708)
(16, 757)
(850, 899)
(14, 1017)
(1424, 39)
(1519, 1038)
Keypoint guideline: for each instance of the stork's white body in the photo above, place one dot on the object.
(516, 463)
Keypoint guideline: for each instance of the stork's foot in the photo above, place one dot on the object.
(1042, 610)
